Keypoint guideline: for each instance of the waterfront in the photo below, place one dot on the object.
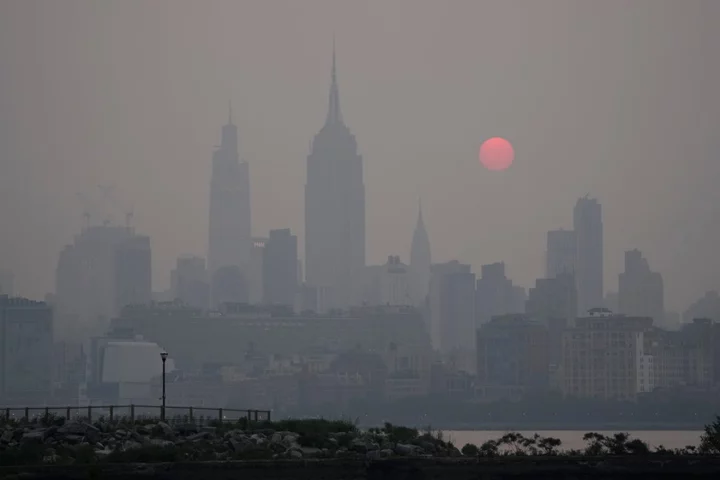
(573, 439)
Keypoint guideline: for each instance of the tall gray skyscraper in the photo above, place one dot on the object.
(588, 226)
(229, 237)
(420, 261)
(280, 264)
(561, 253)
(335, 209)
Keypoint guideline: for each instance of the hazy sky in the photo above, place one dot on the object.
(615, 98)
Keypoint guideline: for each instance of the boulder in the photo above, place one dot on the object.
(165, 430)
(406, 450)
(199, 436)
(34, 436)
(7, 436)
(158, 442)
(310, 452)
(276, 438)
(295, 454)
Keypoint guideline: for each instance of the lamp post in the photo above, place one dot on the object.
(164, 356)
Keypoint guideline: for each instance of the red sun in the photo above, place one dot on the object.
(496, 154)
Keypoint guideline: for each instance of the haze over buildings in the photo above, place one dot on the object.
(312, 278)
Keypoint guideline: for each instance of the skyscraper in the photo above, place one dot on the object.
(279, 272)
(420, 261)
(335, 209)
(561, 253)
(588, 226)
(640, 292)
(229, 237)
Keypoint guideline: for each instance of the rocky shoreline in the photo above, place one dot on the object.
(60, 442)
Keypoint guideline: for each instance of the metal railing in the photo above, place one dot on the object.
(132, 413)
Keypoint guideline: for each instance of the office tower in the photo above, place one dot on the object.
(495, 294)
(6, 282)
(452, 312)
(707, 306)
(387, 284)
(553, 298)
(189, 282)
(133, 272)
(335, 209)
(640, 291)
(420, 261)
(588, 226)
(561, 252)
(229, 238)
(255, 270)
(280, 268)
(26, 351)
(104, 268)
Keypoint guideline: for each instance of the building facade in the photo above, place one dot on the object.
(588, 226)
(561, 253)
(26, 351)
(605, 356)
(280, 263)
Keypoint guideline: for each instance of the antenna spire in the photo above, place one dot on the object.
(230, 118)
(333, 115)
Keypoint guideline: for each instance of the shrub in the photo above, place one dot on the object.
(470, 450)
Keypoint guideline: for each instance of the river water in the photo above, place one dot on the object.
(573, 439)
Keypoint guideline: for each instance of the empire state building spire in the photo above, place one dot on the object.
(334, 116)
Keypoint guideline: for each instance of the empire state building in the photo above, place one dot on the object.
(334, 209)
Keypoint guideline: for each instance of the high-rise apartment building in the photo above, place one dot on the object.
(280, 262)
(553, 298)
(133, 272)
(605, 356)
(588, 226)
(335, 209)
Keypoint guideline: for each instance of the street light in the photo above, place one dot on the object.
(164, 356)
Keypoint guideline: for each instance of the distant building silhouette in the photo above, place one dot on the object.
(280, 262)
(133, 272)
(496, 294)
(708, 306)
(641, 291)
(452, 313)
(553, 298)
(335, 209)
(6, 282)
(420, 262)
(190, 283)
(588, 226)
(387, 284)
(561, 252)
(229, 237)
(105, 268)
(255, 270)
(512, 351)
(26, 351)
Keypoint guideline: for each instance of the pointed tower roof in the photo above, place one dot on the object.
(420, 240)
(333, 115)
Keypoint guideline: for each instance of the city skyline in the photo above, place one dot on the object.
(405, 149)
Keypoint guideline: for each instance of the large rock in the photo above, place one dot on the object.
(407, 450)
(7, 436)
(310, 452)
(34, 436)
(91, 433)
(158, 442)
